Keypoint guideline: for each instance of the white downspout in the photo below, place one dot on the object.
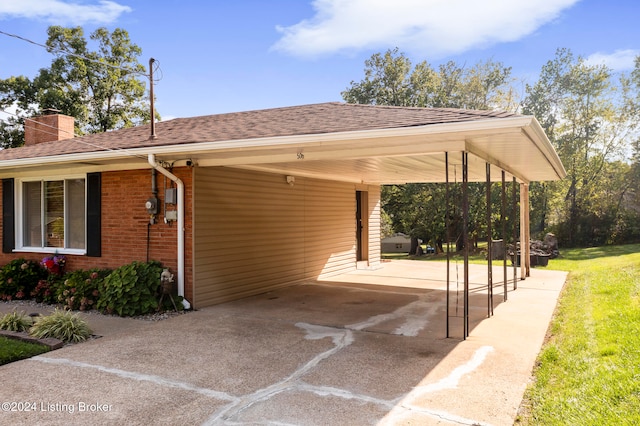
(176, 179)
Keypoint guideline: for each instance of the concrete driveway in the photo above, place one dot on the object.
(345, 352)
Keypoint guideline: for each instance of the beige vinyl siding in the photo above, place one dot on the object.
(254, 232)
(329, 228)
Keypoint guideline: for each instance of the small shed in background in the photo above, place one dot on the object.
(396, 243)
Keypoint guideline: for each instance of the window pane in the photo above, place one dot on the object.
(32, 232)
(54, 213)
(76, 214)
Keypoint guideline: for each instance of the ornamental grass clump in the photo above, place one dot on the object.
(15, 321)
(63, 325)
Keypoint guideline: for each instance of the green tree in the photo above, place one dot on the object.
(386, 81)
(628, 225)
(417, 210)
(634, 172)
(586, 116)
(390, 79)
(632, 201)
(11, 132)
(103, 89)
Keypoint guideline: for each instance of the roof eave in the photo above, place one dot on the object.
(253, 143)
(539, 138)
(398, 141)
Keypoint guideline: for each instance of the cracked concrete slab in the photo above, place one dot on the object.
(349, 351)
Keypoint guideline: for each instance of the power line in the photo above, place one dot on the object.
(156, 70)
(49, 49)
(73, 135)
(42, 124)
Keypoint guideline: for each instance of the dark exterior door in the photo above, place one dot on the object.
(359, 226)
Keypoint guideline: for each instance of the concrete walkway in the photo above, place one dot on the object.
(344, 352)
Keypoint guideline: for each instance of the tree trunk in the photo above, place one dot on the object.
(414, 246)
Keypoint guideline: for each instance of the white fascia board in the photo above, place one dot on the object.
(536, 134)
(339, 138)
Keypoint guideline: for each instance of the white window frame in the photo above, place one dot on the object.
(19, 215)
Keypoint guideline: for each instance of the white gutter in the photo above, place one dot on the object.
(176, 179)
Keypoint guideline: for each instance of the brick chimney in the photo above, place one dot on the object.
(46, 128)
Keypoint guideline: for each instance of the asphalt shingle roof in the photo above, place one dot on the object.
(322, 118)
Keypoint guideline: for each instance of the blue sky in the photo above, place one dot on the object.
(222, 56)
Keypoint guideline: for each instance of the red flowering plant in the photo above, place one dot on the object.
(54, 264)
(45, 290)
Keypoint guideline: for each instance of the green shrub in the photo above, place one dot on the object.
(131, 289)
(167, 305)
(15, 321)
(80, 289)
(46, 290)
(18, 278)
(63, 325)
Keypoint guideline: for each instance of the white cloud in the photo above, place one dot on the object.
(430, 27)
(63, 12)
(620, 60)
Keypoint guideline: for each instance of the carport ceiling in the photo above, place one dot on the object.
(353, 143)
(410, 155)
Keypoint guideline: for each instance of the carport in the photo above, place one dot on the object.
(377, 145)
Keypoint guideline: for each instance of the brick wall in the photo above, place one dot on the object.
(47, 128)
(125, 223)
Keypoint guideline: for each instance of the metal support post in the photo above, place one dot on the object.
(503, 220)
(489, 244)
(448, 234)
(465, 238)
(514, 203)
(525, 248)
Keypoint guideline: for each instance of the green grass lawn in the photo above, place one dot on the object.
(476, 256)
(14, 350)
(588, 371)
